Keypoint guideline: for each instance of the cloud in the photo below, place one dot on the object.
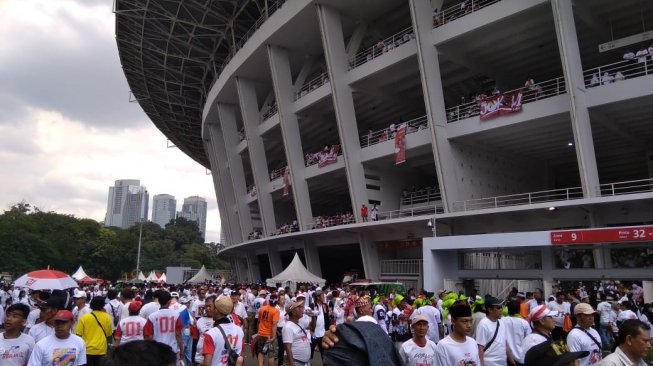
(62, 56)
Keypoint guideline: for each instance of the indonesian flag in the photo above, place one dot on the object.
(328, 157)
(500, 104)
(400, 144)
(286, 181)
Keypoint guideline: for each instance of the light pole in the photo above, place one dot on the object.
(138, 255)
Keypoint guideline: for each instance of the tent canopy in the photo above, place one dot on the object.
(141, 276)
(295, 273)
(152, 277)
(201, 276)
(163, 278)
(79, 274)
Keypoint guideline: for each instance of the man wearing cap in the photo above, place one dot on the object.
(541, 320)
(16, 346)
(45, 324)
(130, 328)
(419, 350)
(214, 348)
(458, 348)
(296, 339)
(164, 325)
(433, 316)
(62, 347)
(81, 308)
(266, 341)
(94, 328)
(491, 336)
(634, 345)
(549, 354)
(583, 337)
(364, 310)
(322, 319)
(524, 310)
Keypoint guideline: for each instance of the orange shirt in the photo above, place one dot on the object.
(523, 310)
(268, 316)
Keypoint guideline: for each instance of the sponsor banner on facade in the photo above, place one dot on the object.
(400, 144)
(500, 104)
(399, 244)
(326, 157)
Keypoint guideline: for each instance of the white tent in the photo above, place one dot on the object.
(152, 277)
(293, 274)
(201, 276)
(141, 276)
(79, 274)
(162, 278)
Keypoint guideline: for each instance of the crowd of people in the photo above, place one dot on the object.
(328, 152)
(635, 65)
(256, 234)
(383, 46)
(335, 220)
(209, 324)
(287, 228)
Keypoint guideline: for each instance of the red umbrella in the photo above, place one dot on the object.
(46, 279)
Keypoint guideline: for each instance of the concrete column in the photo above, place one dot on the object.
(227, 115)
(283, 89)
(370, 255)
(311, 257)
(343, 104)
(275, 260)
(221, 177)
(429, 65)
(219, 194)
(547, 270)
(249, 111)
(563, 15)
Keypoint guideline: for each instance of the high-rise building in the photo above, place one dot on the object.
(164, 207)
(127, 203)
(194, 209)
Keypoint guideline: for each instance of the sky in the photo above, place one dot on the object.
(67, 128)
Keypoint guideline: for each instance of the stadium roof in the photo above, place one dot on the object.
(172, 50)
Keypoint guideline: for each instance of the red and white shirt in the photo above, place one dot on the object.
(214, 342)
(163, 326)
(131, 329)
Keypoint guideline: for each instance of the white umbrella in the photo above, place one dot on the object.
(46, 279)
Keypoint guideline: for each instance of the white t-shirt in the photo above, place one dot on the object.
(131, 329)
(433, 316)
(239, 309)
(204, 324)
(450, 352)
(531, 340)
(496, 354)
(114, 309)
(366, 318)
(604, 309)
(319, 322)
(31, 318)
(412, 354)
(625, 315)
(516, 330)
(79, 313)
(641, 56)
(148, 309)
(197, 309)
(40, 331)
(124, 310)
(54, 351)
(258, 304)
(562, 309)
(214, 342)
(381, 316)
(578, 340)
(163, 324)
(15, 352)
(298, 337)
(282, 316)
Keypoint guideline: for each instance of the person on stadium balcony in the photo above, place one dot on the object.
(458, 348)
(634, 345)
(585, 338)
(541, 320)
(364, 212)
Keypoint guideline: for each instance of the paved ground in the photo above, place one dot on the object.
(250, 361)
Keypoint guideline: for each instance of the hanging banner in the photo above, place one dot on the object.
(400, 144)
(326, 157)
(500, 104)
(286, 181)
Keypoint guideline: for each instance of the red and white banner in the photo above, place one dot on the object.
(325, 158)
(286, 181)
(400, 144)
(500, 104)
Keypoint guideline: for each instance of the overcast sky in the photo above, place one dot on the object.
(67, 129)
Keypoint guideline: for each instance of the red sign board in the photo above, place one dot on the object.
(637, 233)
(399, 244)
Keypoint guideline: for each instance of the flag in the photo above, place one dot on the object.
(500, 104)
(400, 144)
(286, 181)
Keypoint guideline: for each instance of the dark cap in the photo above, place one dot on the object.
(551, 354)
(493, 301)
(53, 302)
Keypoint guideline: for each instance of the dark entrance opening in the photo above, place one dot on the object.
(338, 259)
(264, 266)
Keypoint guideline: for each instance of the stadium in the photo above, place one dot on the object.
(494, 143)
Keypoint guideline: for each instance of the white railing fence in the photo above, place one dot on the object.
(382, 47)
(411, 212)
(459, 10)
(277, 173)
(401, 266)
(627, 187)
(272, 110)
(428, 195)
(618, 71)
(563, 194)
(312, 85)
(541, 90)
(375, 137)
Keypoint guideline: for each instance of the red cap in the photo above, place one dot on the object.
(64, 315)
(135, 306)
